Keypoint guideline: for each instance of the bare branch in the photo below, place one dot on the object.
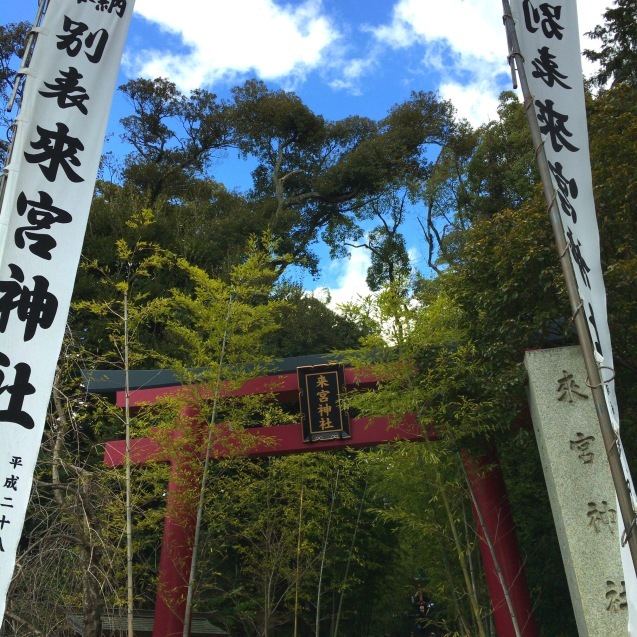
(23, 621)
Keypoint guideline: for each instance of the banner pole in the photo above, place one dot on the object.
(28, 52)
(610, 438)
(29, 43)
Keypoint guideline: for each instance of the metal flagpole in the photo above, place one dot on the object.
(610, 438)
(24, 70)
(28, 51)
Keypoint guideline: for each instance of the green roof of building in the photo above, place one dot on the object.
(107, 381)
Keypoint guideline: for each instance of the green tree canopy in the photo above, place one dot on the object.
(618, 37)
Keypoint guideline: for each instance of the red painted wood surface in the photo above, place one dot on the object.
(178, 539)
(278, 440)
(285, 386)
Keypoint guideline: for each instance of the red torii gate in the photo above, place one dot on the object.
(176, 553)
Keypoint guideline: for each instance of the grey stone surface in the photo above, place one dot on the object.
(580, 488)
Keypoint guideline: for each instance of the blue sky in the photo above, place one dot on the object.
(342, 57)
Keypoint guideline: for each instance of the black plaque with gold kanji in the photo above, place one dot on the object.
(321, 394)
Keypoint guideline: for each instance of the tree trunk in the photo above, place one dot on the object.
(92, 604)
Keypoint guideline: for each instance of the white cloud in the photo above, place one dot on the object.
(347, 279)
(465, 41)
(476, 102)
(351, 73)
(462, 40)
(589, 15)
(349, 285)
(226, 39)
(472, 28)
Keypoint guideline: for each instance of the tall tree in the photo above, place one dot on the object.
(173, 136)
(312, 175)
(309, 326)
(618, 53)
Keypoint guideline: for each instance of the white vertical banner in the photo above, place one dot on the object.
(548, 34)
(50, 180)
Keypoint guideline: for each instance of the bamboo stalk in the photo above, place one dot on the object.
(323, 553)
(473, 599)
(204, 478)
(349, 560)
(496, 563)
(129, 511)
(298, 570)
(454, 596)
(475, 608)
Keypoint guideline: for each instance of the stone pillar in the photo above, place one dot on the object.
(580, 488)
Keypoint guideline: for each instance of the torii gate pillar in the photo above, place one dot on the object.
(178, 539)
